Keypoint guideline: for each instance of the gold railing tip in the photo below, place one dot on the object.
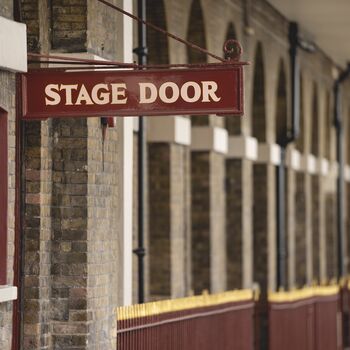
(164, 306)
(324, 282)
(333, 281)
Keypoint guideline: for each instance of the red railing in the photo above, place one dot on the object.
(308, 319)
(221, 321)
(313, 318)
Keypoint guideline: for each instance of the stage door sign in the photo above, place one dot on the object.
(53, 93)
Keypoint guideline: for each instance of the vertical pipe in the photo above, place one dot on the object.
(140, 251)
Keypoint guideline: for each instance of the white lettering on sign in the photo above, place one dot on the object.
(148, 92)
(115, 93)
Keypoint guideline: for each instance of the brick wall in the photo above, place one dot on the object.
(180, 221)
(69, 234)
(102, 235)
(300, 234)
(37, 235)
(234, 212)
(160, 226)
(69, 25)
(315, 227)
(260, 226)
(331, 236)
(7, 102)
(200, 206)
(6, 9)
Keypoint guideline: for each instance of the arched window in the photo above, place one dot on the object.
(314, 124)
(281, 107)
(259, 113)
(196, 35)
(232, 123)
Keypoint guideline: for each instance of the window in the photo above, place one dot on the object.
(3, 196)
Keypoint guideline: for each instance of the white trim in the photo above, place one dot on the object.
(126, 171)
(323, 166)
(13, 45)
(125, 177)
(82, 55)
(170, 129)
(293, 159)
(136, 124)
(309, 163)
(347, 173)
(8, 293)
(334, 169)
(209, 138)
(269, 153)
(242, 147)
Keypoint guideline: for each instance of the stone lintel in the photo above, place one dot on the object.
(242, 147)
(269, 153)
(293, 159)
(309, 164)
(347, 173)
(13, 45)
(323, 166)
(169, 129)
(209, 138)
(8, 293)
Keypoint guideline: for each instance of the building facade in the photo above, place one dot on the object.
(211, 203)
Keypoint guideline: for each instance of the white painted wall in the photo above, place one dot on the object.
(13, 45)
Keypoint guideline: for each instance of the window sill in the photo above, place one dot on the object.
(8, 293)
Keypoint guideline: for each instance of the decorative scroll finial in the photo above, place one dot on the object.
(232, 50)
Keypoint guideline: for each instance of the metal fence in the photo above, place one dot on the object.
(307, 319)
(221, 321)
(314, 318)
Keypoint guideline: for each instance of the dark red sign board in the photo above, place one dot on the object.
(199, 91)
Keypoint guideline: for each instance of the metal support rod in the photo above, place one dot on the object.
(340, 180)
(141, 51)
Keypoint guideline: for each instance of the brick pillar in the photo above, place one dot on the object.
(69, 240)
(347, 227)
(234, 223)
(264, 219)
(168, 218)
(290, 227)
(264, 231)
(208, 208)
(85, 236)
(315, 195)
(37, 234)
(300, 231)
(331, 235)
(102, 236)
(309, 236)
(239, 234)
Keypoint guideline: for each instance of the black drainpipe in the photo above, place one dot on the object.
(340, 180)
(295, 42)
(141, 52)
